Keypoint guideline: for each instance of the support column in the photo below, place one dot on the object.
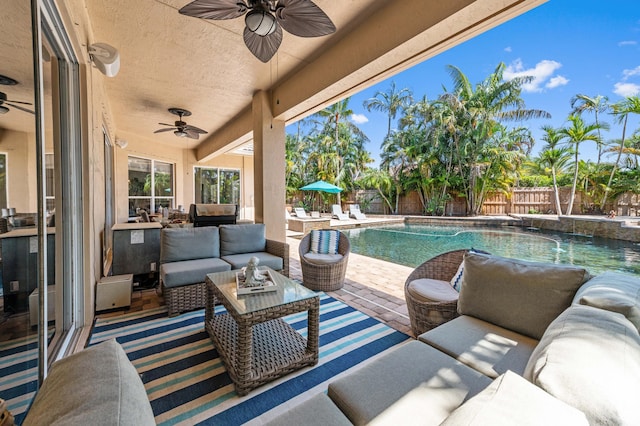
(269, 167)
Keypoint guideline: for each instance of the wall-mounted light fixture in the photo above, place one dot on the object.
(106, 58)
(121, 143)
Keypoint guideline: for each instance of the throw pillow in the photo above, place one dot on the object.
(456, 281)
(325, 241)
(516, 294)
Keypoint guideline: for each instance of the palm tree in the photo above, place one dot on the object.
(391, 102)
(575, 134)
(621, 110)
(581, 103)
(555, 158)
(381, 182)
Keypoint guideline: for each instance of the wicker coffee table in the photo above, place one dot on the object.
(255, 344)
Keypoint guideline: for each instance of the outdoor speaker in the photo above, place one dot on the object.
(106, 58)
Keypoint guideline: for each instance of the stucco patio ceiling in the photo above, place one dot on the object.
(172, 60)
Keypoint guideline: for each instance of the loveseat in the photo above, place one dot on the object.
(533, 344)
(187, 255)
(96, 386)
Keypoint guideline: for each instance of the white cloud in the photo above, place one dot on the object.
(626, 89)
(508, 49)
(556, 81)
(630, 73)
(541, 73)
(627, 43)
(359, 118)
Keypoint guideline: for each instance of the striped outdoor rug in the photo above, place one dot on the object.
(19, 373)
(188, 384)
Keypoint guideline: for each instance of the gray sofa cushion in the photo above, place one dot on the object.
(97, 386)
(590, 359)
(614, 292)
(176, 274)
(235, 239)
(316, 411)
(238, 261)
(413, 384)
(485, 347)
(516, 294)
(177, 244)
(511, 400)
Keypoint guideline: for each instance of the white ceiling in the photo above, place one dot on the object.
(171, 60)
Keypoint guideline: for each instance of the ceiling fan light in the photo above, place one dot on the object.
(180, 133)
(260, 22)
(3, 109)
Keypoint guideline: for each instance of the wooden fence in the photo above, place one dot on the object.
(519, 201)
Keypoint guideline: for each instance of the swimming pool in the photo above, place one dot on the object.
(412, 244)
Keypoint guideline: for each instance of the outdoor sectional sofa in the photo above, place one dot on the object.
(534, 344)
(187, 255)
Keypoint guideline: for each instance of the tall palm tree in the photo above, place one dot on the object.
(576, 133)
(597, 104)
(555, 158)
(390, 102)
(621, 110)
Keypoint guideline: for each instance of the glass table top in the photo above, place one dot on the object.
(288, 291)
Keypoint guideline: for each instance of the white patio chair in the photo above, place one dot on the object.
(336, 211)
(299, 211)
(354, 211)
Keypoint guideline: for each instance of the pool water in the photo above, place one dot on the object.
(411, 244)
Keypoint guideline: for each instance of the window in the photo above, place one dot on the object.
(216, 186)
(151, 185)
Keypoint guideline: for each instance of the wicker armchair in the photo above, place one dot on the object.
(324, 277)
(427, 315)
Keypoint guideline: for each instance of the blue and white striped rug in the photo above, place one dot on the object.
(188, 384)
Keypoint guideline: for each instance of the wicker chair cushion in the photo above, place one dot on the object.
(324, 241)
(510, 400)
(236, 239)
(322, 259)
(613, 292)
(178, 244)
(430, 290)
(176, 274)
(590, 359)
(515, 294)
(238, 261)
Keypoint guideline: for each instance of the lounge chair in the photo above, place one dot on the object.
(354, 211)
(299, 211)
(336, 211)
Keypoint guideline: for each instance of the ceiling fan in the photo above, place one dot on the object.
(265, 20)
(4, 101)
(180, 128)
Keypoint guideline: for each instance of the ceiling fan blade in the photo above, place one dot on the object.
(165, 130)
(215, 9)
(303, 18)
(20, 108)
(191, 134)
(265, 47)
(165, 124)
(19, 102)
(189, 127)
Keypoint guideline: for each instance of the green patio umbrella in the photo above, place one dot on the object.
(322, 186)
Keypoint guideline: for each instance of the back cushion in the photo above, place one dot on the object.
(614, 292)
(178, 244)
(590, 359)
(235, 239)
(324, 241)
(515, 294)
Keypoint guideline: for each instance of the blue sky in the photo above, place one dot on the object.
(570, 46)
